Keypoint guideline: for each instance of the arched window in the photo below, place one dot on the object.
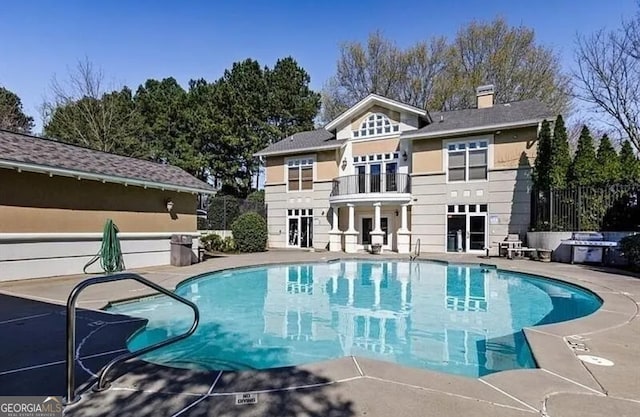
(374, 125)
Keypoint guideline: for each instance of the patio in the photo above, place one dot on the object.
(562, 386)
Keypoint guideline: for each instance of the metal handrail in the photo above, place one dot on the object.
(416, 250)
(71, 329)
(391, 182)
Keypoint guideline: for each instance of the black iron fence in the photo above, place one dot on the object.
(221, 212)
(371, 183)
(601, 208)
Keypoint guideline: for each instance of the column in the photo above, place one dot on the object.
(377, 235)
(404, 234)
(335, 235)
(351, 234)
(376, 292)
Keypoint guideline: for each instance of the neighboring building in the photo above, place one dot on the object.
(55, 199)
(389, 173)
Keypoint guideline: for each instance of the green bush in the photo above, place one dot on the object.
(250, 232)
(630, 246)
(228, 245)
(212, 242)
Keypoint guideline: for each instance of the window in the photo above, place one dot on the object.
(300, 174)
(467, 161)
(374, 125)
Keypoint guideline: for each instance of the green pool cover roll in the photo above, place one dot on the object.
(110, 254)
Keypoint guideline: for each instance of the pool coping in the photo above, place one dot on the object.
(563, 364)
(560, 371)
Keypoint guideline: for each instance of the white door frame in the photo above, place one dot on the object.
(468, 237)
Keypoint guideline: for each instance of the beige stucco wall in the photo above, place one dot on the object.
(274, 168)
(427, 156)
(394, 116)
(37, 203)
(515, 148)
(327, 165)
(375, 146)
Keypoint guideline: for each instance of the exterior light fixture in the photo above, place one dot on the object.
(344, 163)
(404, 155)
(396, 212)
(169, 204)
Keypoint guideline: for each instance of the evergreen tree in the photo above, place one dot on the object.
(629, 164)
(560, 155)
(584, 169)
(542, 165)
(12, 116)
(608, 162)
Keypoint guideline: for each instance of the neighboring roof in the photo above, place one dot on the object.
(311, 140)
(518, 113)
(31, 153)
(367, 102)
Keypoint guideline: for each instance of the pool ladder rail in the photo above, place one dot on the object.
(102, 382)
(416, 251)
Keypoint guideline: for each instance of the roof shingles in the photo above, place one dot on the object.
(19, 148)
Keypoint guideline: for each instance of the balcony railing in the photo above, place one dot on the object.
(371, 183)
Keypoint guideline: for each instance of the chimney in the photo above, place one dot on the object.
(484, 95)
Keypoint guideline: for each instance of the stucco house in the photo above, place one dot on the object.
(384, 172)
(55, 199)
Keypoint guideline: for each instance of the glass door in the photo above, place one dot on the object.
(477, 236)
(306, 232)
(374, 170)
(367, 227)
(390, 176)
(456, 232)
(294, 229)
(362, 178)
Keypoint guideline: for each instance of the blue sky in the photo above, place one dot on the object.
(136, 40)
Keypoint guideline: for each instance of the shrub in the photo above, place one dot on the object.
(228, 245)
(250, 232)
(630, 246)
(212, 242)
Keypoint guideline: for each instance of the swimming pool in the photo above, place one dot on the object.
(459, 319)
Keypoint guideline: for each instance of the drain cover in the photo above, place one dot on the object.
(595, 360)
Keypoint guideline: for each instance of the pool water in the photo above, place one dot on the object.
(459, 319)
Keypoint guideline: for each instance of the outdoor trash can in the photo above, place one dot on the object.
(181, 252)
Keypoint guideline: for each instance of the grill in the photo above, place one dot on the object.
(589, 247)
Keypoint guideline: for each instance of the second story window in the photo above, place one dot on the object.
(376, 125)
(467, 161)
(300, 174)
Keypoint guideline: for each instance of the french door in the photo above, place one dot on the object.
(466, 228)
(300, 228)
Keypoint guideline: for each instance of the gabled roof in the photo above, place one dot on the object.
(311, 140)
(518, 113)
(369, 101)
(31, 153)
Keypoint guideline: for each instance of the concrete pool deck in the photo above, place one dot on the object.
(563, 385)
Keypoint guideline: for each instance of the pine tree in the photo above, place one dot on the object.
(608, 162)
(542, 165)
(560, 155)
(584, 169)
(629, 164)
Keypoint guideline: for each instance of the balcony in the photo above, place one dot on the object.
(393, 187)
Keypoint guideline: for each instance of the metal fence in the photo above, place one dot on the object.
(221, 212)
(601, 208)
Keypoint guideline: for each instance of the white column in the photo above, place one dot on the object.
(376, 292)
(351, 234)
(404, 234)
(352, 218)
(335, 235)
(376, 217)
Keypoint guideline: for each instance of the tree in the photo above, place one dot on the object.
(83, 112)
(443, 76)
(12, 116)
(560, 155)
(292, 105)
(542, 164)
(584, 169)
(629, 164)
(608, 76)
(608, 162)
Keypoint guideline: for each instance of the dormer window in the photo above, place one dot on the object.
(376, 125)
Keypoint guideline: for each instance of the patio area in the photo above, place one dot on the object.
(32, 313)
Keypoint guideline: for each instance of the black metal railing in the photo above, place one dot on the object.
(371, 183)
(609, 207)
